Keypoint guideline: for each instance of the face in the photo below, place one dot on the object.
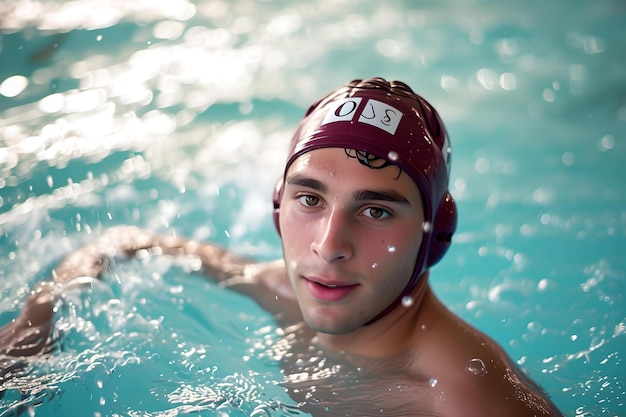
(351, 235)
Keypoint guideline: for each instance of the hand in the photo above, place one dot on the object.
(30, 332)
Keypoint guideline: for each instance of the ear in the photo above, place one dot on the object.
(278, 194)
(443, 229)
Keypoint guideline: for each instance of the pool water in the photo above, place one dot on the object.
(175, 116)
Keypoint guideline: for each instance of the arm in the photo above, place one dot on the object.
(30, 332)
(264, 282)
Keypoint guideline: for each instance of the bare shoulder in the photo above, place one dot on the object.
(473, 374)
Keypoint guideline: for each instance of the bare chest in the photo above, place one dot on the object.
(324, 384)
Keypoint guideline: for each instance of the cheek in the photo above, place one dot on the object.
(401, 251)
(293, 232)
(295, 243)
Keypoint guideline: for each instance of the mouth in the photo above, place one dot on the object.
(328, 291)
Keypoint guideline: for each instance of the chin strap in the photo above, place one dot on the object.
(414, 296)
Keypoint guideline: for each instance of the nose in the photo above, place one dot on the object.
(333, 240)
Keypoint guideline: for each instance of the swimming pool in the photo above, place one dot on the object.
(175, 115)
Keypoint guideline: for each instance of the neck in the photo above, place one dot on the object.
(388, 335)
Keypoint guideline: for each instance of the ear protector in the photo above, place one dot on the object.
(390, 121)
(278, 195)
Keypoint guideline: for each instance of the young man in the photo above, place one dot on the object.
(363, 210)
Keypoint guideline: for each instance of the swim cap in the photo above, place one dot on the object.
(387, 120)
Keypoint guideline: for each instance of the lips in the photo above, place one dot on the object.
(328, 291)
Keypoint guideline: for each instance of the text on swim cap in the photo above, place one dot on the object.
(375, 113)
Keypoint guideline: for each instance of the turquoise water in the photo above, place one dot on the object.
(175, 115)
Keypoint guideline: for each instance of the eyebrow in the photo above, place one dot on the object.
(383, 195)
(358, 195)
(308, 182)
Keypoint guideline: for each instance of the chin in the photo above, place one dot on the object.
(332, 328)
(329, 331)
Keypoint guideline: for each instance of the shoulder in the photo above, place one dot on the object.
(473, 373)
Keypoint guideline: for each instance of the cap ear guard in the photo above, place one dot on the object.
(278, 193)
(442, 231)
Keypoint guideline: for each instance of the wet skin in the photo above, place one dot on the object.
(339, 220)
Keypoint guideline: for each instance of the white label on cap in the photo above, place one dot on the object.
(375, 113)
(342, 110)
(381, 115)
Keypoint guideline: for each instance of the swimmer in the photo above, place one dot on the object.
(364, 212)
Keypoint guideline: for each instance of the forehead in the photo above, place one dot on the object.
(339, 167)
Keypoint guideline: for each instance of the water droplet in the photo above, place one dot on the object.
(534, 326)
(543, 284)
(568, 159)
(13, 85)
(393, 156)
(607, 142)
(477, 367)
(426, 227)
(407, 301)
(391, 248)
(432, 382)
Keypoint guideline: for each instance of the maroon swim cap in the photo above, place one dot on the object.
(388, 120)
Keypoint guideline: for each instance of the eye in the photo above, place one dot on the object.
(309, 200)
(376, 213)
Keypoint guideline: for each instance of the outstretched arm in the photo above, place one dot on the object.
(264, 282)
(30, 332)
